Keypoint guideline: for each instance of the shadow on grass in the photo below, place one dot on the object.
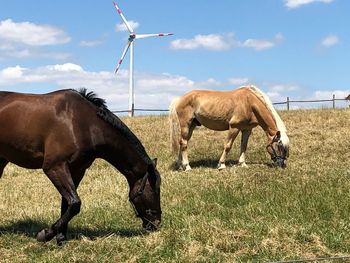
(210, 163)
(30, 228)
(206, 163)
(213, 163)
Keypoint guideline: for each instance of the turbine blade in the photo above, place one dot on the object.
(122, 57)
(123, 18)
(138, 36)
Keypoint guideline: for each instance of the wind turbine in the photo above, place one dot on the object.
(130, 44)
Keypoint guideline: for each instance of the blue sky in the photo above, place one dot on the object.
(295, 48)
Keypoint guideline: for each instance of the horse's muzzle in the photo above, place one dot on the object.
(280, 162)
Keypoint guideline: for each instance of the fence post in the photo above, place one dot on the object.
(288, 103)
(333, 101)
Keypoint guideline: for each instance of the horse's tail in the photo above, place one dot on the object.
(174, 125)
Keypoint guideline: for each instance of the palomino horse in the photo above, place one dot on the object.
(236, 111)
(63, 132)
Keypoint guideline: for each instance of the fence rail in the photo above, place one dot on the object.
(288, 103)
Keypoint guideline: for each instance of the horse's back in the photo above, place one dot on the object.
(28, 112)
(31, 125)
(28, 100)
(200, 98)
(216, 109)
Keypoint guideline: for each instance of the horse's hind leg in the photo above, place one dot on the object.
(3, 163)
(62, 235)
(186, 133)
(60, 176)
(244, 142)
(232, 134)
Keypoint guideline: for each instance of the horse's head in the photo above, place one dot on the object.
(278, 151)
(145, 198)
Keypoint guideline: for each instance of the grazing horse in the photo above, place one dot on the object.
(236, 111)
(63, 132)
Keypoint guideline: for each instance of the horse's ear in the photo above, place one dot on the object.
(155, 161)
(152, 166)
(277, 136)
(154, 177)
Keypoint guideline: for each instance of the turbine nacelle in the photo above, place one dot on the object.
(132, 37)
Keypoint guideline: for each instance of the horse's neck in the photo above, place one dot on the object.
(124, 157)
(266, 121)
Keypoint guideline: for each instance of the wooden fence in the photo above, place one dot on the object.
(288, 105)
(288, 102)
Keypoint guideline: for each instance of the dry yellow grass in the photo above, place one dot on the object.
(237, 215)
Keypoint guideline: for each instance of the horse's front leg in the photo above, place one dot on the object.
(232, 134)
(244, 142)
(60, 176)
(62, 235)
(183, 156)
(178, 164)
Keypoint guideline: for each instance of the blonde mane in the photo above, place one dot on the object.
(279, 123)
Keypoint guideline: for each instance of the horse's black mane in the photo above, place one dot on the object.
(105, 114)
(92, 97)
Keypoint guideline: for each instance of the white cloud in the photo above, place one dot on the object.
(215, 42)
(25, 39)
(90, 43)
(121, 26)
(298, 3)
(24, 53)
(276, 96)
(279, 92)
(151, 90)
(330, 40)
(238, 81)
(17, 52)
(172, 83)
(12, 72)
(30, 34)
(220, 42)
(210, 83)
(327, 95)
(67, 67)
(261, 44)
(258, 44)
(283, 87)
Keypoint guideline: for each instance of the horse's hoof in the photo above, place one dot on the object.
(188, 168)
(178, 166)
(41, 236)
(243, 165)
(60, 239)
(221, 166)
(45, 235)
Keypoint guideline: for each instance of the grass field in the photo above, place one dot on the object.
(254, 214)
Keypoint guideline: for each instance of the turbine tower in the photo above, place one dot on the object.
(130, 44)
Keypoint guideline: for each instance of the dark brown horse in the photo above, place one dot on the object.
(63, 132)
